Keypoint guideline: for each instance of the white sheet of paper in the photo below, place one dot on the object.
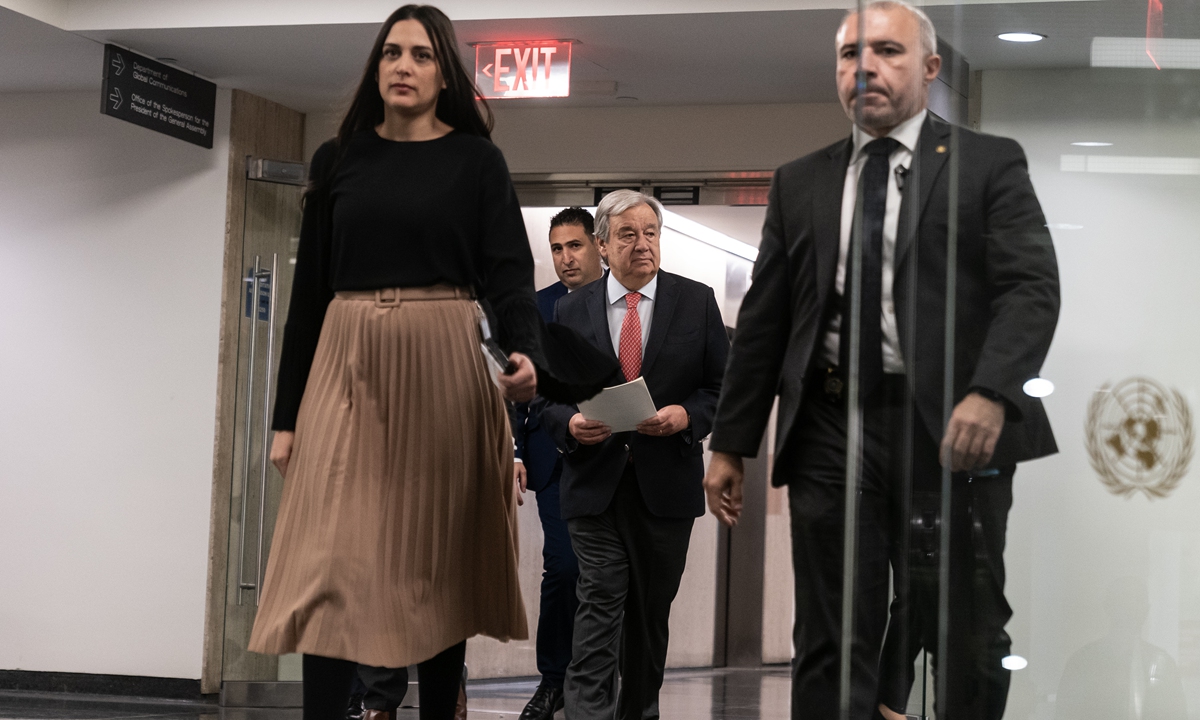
(622, 408)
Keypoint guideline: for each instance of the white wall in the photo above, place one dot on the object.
(1128, 249)
(659, 138)
(664, 138)
(111, 243)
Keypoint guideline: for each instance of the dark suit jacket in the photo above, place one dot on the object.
(1007, 292)
(534, 446)
(683, 364)
(548, 297)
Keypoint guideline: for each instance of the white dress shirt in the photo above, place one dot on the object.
(907, 134)
(617, 310)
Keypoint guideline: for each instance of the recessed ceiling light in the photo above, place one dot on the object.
(1089, 143)
(1024, 37)
(1014, 662)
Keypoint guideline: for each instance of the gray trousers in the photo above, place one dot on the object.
(382, 688)
(630, 564)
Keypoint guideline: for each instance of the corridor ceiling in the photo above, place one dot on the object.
(651, 50)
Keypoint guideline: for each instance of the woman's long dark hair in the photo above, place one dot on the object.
(459, 105)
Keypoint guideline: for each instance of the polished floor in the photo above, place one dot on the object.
(726, 694)
(72, 706)
(759, 694)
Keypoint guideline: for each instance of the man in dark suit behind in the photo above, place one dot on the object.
(889, 186)
(630, 498)
(538, 467)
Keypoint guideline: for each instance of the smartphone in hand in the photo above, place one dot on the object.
(491, 348)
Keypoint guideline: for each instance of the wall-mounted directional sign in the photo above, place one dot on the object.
(523, 69)
(148, 93)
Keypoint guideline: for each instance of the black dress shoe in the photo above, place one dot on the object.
(544, 703)
(354, 709)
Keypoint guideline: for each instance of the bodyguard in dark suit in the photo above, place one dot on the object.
(630, 498)
(795, 330)
(538, 467)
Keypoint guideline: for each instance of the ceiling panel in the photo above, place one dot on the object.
(697, 58)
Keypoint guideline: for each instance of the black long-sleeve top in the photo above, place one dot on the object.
(408, 214)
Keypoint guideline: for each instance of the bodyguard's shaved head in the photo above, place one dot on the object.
(928, 33)
(898, 63)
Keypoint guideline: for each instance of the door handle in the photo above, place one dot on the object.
(252, 307)
(266, 427)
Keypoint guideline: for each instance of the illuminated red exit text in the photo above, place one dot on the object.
(528, 69)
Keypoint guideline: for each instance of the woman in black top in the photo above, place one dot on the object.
(396, 538)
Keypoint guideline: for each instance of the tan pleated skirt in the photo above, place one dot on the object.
(396, 536)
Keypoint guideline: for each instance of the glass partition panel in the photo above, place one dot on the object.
(271, 238)
(1029, 450)
(1101, 544)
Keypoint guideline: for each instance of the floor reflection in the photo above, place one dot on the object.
(725, 694)
(71, 706)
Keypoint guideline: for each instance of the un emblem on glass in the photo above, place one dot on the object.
(1139, 437)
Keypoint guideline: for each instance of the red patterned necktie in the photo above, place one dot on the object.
(630, 353)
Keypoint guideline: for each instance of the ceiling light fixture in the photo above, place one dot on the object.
(1146, 52)
(1089, 143)
(1021, 37)
(1038, 387)
(708, 236)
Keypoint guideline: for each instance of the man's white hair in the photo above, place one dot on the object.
(928, 32)
(617, 202)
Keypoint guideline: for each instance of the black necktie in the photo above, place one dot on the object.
(874, 204)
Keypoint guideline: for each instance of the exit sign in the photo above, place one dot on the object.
(523, 69)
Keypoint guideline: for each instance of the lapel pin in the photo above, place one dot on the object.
(941, 148)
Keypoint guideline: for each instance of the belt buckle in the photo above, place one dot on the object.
(393, 301)
(833, 385)
(925, 528)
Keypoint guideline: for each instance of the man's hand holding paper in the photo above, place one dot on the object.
(621, 408)
(668, 421)
(588, 432)
(624, 408)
